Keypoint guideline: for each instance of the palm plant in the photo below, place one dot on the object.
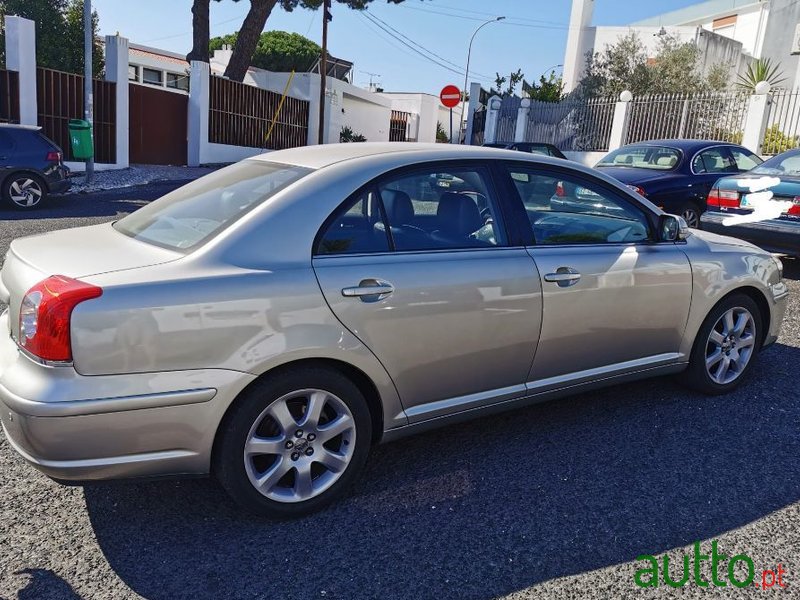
(757, 71)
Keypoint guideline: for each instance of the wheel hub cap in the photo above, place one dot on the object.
(730, 345)
(300, 445)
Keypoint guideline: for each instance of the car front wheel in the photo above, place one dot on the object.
(24, 191)
(725, 346)
(293, 442)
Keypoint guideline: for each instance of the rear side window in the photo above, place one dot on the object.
(745, 160)
(713, 160)
(357, 227)
(195, 213)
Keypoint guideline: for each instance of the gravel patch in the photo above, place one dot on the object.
(136, 175)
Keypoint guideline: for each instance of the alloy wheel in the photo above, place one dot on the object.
(730, 345)
(691, 217)
(300, 445)
(25, 192)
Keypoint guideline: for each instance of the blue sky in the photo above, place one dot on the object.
(532, 38)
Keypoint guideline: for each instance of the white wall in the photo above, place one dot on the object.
(579, 40)
(426, 106)
(606, 36)
(748, 29)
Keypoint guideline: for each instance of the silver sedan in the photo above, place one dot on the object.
(270, 322)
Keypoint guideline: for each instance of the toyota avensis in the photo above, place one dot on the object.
(270, 322)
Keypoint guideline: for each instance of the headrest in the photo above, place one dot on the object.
(399, 209)
(666, 161)
(458, 214)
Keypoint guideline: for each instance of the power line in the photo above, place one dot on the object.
(514, 22)
(459, 72)
(177, 35)
(489, 14)
(400, 33)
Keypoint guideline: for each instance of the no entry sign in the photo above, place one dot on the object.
(450, 96)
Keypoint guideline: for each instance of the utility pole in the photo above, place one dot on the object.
(323, 67)
(88, 101)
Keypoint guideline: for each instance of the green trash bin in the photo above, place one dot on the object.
(80, 139)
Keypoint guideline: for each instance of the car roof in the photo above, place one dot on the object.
(20, 127)
(316, 157)
(685, 145)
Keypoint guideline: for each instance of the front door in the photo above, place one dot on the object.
(418, 268)
(613, 300)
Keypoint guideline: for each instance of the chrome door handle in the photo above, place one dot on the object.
(564, 277)
(369, 290)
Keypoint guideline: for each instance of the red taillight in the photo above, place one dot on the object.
(560, 192)
(53, 157)
(723, 198)
(44, 317)
(795, 208)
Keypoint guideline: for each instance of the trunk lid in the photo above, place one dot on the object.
(79, 252)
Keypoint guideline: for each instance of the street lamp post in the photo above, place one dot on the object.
(466, 73)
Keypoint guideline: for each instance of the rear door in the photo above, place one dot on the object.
(614, 300)
(429, 281)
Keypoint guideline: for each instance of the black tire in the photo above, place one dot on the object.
(28, 185)
(696, 375)
(228, 462)
(691, 214)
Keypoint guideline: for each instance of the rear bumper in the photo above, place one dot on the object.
(58, 180)
(77, 428)
(773, 235)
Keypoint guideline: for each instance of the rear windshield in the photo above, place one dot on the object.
(658, 158)
(195, 213)
(786, 164)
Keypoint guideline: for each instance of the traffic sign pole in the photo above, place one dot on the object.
(451, 125)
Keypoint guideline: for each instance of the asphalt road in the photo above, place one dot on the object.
(554, 501)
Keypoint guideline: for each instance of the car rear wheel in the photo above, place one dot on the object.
(690, 214)
(725, 346)
(24, 191)
(294, 442)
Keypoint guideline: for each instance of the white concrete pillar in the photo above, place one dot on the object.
(117, 71)
(619, 126)
(197, 127)
(523, 112)
(578, 38)
(755, 124)
(474, 101)
(21, 57)
(492, 116)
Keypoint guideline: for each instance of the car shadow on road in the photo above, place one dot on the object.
(484, 508)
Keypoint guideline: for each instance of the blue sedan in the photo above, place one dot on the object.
(677, 175)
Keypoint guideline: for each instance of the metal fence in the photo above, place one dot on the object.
(710, 116)
(572, 124)
(59, 98)
(244, 115)
(9, 96)
(507, 119)
(783, 122)
(398, 126)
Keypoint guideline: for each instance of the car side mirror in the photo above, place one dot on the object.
(673, 228)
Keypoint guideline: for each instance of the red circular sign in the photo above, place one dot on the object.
(450, 96)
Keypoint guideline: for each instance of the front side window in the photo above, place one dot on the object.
(441, 208)
(563, 209)
(656, 158)
(195, 213)
(713, 160)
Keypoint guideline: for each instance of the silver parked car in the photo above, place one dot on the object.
(272, 321)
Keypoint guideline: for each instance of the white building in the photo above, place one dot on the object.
(728, 31)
